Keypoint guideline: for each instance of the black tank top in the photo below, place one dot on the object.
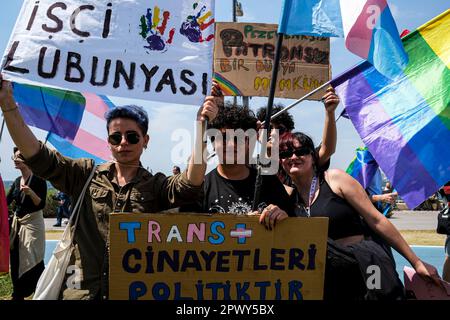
(344, 220)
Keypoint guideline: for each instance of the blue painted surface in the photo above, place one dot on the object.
(432, 255)
(50, 245)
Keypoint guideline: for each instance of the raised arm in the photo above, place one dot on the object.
(348, 188)
(329, 136)
(22, 136)
(63, 172)
(197, 163)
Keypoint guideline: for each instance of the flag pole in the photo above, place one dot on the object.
(285, 109)
(265, 136)
(306, 96)
(1, 130)
(335, 80)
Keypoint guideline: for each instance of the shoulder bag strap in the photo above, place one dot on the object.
(76, 209)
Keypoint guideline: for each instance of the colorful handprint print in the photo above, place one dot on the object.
(152, 32)
(194, 25)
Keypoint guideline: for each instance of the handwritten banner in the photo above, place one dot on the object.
(153, 50)
(204, 257)
(244, 54)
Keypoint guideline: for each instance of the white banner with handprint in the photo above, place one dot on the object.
(146, 49)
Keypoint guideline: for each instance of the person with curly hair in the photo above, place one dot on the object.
(230, 187)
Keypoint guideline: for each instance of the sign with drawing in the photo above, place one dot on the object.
(244, 54)
(215, 257)
(154, 50)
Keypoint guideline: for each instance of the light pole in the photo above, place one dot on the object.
(234, 20)
(237, 11)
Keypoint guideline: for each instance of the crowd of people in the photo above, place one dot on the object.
(304, 186)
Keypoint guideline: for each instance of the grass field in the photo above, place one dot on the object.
(423, 237)
(5, 287)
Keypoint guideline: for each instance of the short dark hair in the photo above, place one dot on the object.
(284, 119)
(132, 112)
(177, 168)
(15, 149)
(233, 116)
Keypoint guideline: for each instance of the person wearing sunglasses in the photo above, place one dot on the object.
(230, 187)
(284, 123)
(121, 185)
(336, 195)
(27, 232)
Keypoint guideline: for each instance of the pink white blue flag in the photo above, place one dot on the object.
(367, 25)
(75, 121)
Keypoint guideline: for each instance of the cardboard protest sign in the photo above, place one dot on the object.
(244, 54)
(204, 257)
(153, 50)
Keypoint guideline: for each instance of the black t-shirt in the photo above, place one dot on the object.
(24, 204)
(222, 195)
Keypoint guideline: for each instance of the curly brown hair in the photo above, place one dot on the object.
(235, 117)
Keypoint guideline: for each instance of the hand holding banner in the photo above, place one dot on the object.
(131, 49)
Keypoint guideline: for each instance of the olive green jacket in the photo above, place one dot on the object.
(146, 193)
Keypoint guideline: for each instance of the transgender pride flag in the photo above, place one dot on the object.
(368, 26)
(75, 121)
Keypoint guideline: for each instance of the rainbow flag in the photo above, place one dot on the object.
(363, 167)
(75, 121)
(4, 231)
(405, 122)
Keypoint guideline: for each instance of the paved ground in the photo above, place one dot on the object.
(49, 222)
(415, 220)
(403, 220)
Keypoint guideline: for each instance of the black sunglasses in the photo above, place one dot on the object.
(302, 151)
(131, 136)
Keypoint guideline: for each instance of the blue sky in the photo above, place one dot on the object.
(165, 118)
